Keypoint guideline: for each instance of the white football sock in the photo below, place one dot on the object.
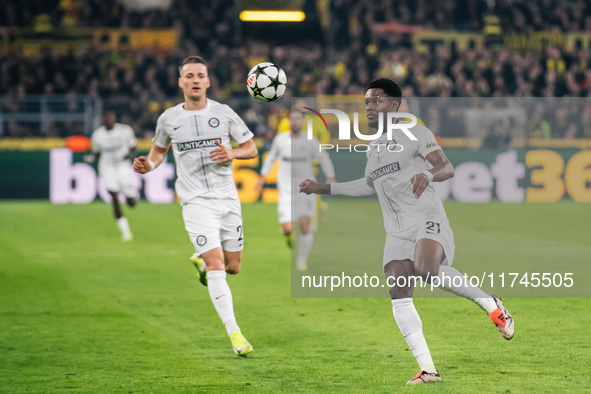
(305, 246)
(123, 225)
(447, 275)
(221, 296)
(411, 327)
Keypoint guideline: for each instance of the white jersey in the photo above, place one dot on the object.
(113, 145)
(193, 135)
(388, 174)
(295, 156)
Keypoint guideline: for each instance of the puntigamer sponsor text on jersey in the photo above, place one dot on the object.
(208, 143)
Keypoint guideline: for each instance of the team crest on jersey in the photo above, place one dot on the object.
(385, 170)
(391, 143)
(214, 122)
(201, 240)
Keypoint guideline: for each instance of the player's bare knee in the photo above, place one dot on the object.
(214, 264)
(233, 265)
(233, 260)
(286, 227)
(305, 225)
(233, 270)
(426, 270)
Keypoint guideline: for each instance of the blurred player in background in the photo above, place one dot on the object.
(322, 135)
(200, 130)
(296, 153)
(419, 240)
(114, 144)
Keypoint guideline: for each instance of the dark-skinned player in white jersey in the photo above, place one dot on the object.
(419, 240)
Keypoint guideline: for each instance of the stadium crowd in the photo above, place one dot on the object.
(515, 15)
(351, 54)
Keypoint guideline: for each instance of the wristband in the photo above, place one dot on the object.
(429, 175)
(152, 165)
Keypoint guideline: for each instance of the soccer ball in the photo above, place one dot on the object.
(266, 82)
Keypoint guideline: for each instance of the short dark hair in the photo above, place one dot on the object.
(192, 59)
(391, 88)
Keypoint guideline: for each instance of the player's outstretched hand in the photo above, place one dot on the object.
(259, 185)
(141, 165)
(221, 154)
(309, 186)
(419, 184)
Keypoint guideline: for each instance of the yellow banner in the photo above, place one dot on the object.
(535, 40)
(423, 41)
(62, 40)
(137, 38)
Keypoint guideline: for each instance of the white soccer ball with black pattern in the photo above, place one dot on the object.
(266, 82)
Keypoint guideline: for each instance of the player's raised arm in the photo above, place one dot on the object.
(267, 166)
(247, 150)
(95, 154)
(144, 165)
(357, 188)
(131, 143)
(222, 154)
(310, 187)
(441, 171)
(91, 157)
(240, 133)
(131, 153)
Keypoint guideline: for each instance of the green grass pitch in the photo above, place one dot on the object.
(81, 311)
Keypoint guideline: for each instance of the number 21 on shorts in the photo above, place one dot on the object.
(433, 227)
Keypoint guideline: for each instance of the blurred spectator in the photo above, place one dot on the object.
(537, 127)
(254, 119)
(498, 136)
(563, 126)
(17, 130)
(268, 136)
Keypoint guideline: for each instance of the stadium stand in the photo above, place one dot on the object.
(364, 39)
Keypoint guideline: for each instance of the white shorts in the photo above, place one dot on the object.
(118, 178)
(404, 249)
(213, 223)
(291, 210)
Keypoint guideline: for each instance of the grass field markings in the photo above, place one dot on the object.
(184, 347)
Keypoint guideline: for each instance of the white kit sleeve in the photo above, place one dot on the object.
(357, 188)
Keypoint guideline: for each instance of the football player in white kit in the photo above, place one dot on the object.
(114, 144)
(419, 240)
(200, 130)
(295, 153)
